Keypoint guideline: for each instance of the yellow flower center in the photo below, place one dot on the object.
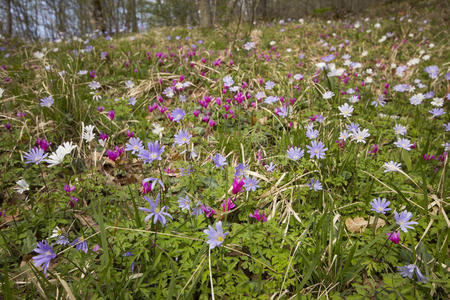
(136, 147)
(153, 155)
(220, 238)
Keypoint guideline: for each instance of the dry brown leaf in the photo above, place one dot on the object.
(357, 224)
(263, 120)
(380, 222)
(87, 221)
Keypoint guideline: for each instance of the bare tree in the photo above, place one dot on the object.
(98, 18)
(205, 13)
(131, 15)
(8, 19)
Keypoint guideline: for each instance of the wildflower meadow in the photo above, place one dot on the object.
(291, 159)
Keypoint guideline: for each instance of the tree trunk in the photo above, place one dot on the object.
(205, 13)
(98, 19)
(132, 12)
(8, 19)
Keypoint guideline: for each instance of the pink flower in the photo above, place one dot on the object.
(394, 236)
(69, 188)
(72, 201)
(43, 144)
(111, 114)
(130, 134)
(260, 217)
(237, 185)
(228, 205)
(209, 212)
(374, 149)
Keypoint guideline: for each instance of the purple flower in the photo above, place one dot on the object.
(380, 205)
(436, 112)
(270, 167)
(409, 270)
(62, 240)
(392, 166)
(215, 237)
(134, 145)
(153, 153)
(315, 185)
(295, 153)
(394, 236)
(220, 161)
(47, 101)
(432, 71)
(259, 215)
(403, 143)
(178, 114)
(158, 214)
(46, 254)
(184, 202)
(403, 220)
(353, 127)
(80, 244)
(447, 126)
(327, 58)
(401, 88)
(35, 155)
(182, 137)
(251, 184)
(111, 115)
(240, 168)
(312, 133)
(197, 210)
(317, 149)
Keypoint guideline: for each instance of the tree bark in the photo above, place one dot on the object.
(98, 18)
(132, 12)
(205, 13)
(8, 19)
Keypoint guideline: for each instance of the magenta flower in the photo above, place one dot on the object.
(374, 149)
(69, 188)
(43, 144)
(111, 114)
(237, 185)
(394, 236)
(259, 216)
(103, 136)
(228, 205)
(209, 211)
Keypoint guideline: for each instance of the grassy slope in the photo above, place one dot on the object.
(309, 245)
